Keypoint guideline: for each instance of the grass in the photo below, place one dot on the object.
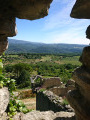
(15, 56)
(71, 60)
(34, 73)
(48, 58)
(19, 89)
(65, 102)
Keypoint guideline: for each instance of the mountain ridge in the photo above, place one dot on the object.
(20, 46)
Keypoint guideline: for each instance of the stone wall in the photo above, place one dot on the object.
(63, 89)
(51, 82)
(47, 100)
(59, 91)
(36, 115)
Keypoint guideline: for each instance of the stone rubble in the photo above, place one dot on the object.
(48, 115)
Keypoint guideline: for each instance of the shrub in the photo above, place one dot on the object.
(24, 79)
(14, 105)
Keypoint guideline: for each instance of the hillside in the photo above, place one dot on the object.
(19, 46)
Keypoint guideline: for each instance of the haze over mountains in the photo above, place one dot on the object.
(19, 46)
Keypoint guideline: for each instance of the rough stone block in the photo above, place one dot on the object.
(8, 26)
(85, 57)
(51, 82)
(48, 115)
(80, 105)
(3, 44)
(81, 9)
(59, 91)
(31, 9)
(4, 100)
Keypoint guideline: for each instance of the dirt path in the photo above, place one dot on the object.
(30, 103)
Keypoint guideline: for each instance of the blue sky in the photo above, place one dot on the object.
(57, 27)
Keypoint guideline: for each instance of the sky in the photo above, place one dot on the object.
(57, 27)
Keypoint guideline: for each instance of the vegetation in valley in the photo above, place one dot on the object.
(18, 68)
(22, 66)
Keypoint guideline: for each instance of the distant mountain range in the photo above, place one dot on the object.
(19, 46)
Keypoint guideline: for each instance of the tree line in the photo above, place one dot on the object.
(21, 72)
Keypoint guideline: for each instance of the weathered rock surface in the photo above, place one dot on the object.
(84, 59)
(51, 82)
(47, 100)
(8, 26)
(82, 78)
(18, 116)
(81, 9)
(49, 115)
(65, 116)
(23, 9)
(59, 91)
(4, 100)
(70, 83)
(37, 115)
(4, 116)
(3, 43)
(80, 98)
(31, 9)
(80, 105)
(88, 32)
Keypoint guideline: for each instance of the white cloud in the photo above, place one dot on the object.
(61, 28)
(57, 27)
(68, 37)
(59, 17)
(72, 35)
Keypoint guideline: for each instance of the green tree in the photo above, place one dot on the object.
(18, 68)
(24, 79)
(8, 68)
